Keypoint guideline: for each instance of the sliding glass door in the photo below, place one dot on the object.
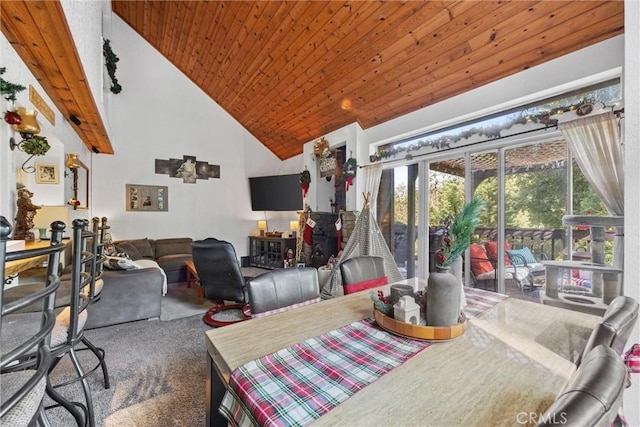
(397, 215)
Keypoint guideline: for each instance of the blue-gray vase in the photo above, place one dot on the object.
(442, 298)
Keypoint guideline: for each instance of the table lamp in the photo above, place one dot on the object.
(262, 226)
(293, 225)
(46, 215)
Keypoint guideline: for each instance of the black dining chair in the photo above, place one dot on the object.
(594, 394)
(283, 289)
(26, 353)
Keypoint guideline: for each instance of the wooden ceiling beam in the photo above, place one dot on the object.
(39, 33)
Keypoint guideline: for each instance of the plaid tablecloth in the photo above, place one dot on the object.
(298, 384)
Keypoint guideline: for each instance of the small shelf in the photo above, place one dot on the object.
(269, 252)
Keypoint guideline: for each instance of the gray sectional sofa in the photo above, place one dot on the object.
(127, 295)
(130, 295)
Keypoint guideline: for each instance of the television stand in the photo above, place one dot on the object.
(269, 252)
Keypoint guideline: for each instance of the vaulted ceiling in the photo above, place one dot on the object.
(293, 71)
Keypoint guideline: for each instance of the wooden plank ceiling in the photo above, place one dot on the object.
(39, 33)
(292, 71)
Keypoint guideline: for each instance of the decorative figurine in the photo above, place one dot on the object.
(24, 216)
(406, 310)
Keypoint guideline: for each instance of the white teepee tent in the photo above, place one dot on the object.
(366, 239)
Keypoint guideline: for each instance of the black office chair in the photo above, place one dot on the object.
(23, 371)
(283, 289)
(219, 270)
(615, 327)
(362, 272)
(594, 394)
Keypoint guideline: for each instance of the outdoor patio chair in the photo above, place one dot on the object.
(484, 268)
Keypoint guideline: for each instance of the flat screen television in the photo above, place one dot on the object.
(276, 193)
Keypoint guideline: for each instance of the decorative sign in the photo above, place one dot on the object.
(41, 105)
(187, 168)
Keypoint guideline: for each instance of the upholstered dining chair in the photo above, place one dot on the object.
(283, 289)
(615, 327)
(594, 393)
(219, 270)
(362, 272)
(26, 354)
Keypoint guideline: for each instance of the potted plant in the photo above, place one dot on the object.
(36, 145)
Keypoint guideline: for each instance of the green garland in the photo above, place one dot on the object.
(111, 60)
(8, 89)
(543, 119)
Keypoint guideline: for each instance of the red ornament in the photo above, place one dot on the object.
(12, 118)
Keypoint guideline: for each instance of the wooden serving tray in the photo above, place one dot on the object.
(420, 332)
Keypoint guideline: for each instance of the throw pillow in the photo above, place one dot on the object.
(523, 253)
(492, 251)
(129, 249)
(121, 263)
(144, 247)
(479, 261)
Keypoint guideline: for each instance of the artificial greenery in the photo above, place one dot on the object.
(458, 233)
(381, 303)
(36, 145)
(8, 89)
(111, 60)
(494, 131)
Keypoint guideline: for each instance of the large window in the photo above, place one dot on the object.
(517, 162)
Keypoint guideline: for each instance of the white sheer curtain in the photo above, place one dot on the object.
(372, 175)
(595, 142)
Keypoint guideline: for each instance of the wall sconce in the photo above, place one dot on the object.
(293, 225)
(73, 163)
(28, 125)
(262, 226)
(46, 215)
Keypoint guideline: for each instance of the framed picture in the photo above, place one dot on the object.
(148, 198)
(46, 173)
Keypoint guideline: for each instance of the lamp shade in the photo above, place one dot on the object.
(293, 225)
(47, 214)
(262, 225)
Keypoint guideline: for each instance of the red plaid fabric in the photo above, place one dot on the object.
(298, 384)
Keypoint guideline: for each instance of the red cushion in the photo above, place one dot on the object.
(479, 261)
(367, 284)
(492, 251)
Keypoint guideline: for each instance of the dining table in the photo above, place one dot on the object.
(507, 367)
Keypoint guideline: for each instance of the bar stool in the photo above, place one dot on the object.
(23, 370)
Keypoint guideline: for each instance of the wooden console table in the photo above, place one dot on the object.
(16, 267)
(269, 252)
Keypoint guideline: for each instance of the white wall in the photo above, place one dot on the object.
(61, 136)
(631, 84)
(160, 114)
